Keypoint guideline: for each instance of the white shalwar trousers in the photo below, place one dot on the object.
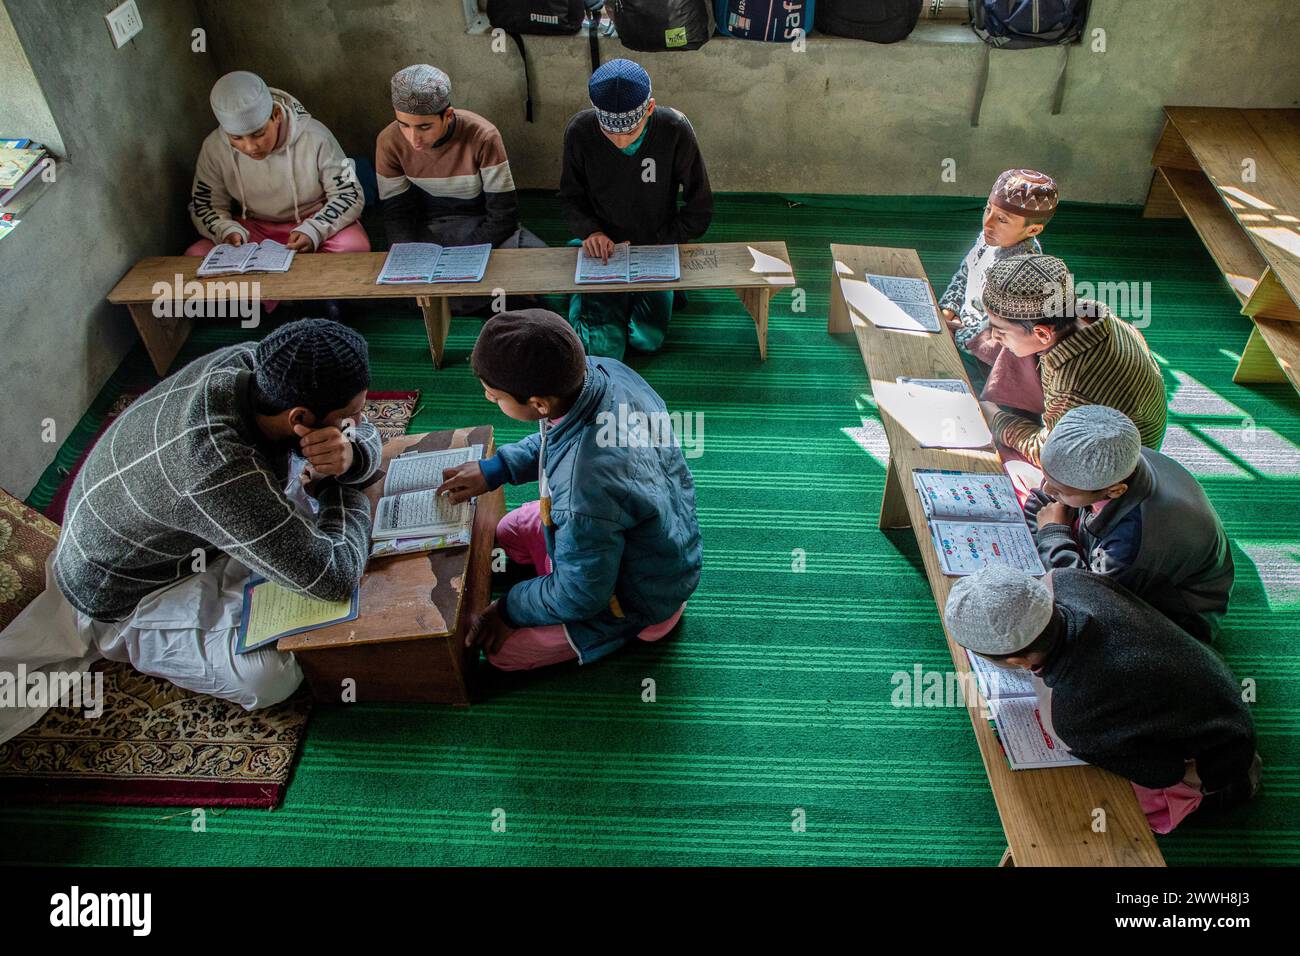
(184, 633)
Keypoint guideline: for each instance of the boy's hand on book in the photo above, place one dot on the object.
(326, 450)
(299, 242)
(598, 246)
(488, 630)
(463, 482)
(233, 239)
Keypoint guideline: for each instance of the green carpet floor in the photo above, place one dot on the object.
(774, 696)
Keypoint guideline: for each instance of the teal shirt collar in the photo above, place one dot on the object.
(631, 150)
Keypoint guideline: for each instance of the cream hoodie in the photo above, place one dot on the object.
(306, 180)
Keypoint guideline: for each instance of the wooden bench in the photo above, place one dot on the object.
(1048, 815)
(720, 265)
(1236, 175)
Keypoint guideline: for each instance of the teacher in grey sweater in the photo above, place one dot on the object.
(247, 459)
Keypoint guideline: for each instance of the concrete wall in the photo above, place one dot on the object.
(132, 120)
(23, 111)
(842, 117)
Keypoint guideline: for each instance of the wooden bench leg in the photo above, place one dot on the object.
(1162, 203)
(756, 304)
(1006, 858)
(893, 506)
(437, 323)
(1257, 364)
(837, 319)
(162, 337)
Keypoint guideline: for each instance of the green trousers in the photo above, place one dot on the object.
(609, 322)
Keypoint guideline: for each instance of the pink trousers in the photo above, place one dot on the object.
(1167, 807)
(351, 238)
(520, 534)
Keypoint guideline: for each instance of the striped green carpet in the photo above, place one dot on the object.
(775, 696)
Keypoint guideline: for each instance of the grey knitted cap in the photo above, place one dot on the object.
(421, 90)
(1091, 447)
(997, 610)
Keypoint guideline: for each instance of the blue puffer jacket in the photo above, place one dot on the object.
(623, 538)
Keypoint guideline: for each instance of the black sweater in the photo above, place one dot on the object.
(1136, 695)
(604, 190)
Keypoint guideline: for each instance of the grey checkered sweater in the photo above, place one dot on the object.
(185, 468)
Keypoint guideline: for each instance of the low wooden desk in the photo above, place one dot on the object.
(715, 265)
(1047, 815)
(1236, 175)
(408, 642)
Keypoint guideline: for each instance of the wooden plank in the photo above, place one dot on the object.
(1161, 202)
(162, 337)
(1269, 300)
(1234, 254)
(1171, 150)
(1271, 354)
(1221, 139)
(437, 323)
(344, 275)
(1048, 815)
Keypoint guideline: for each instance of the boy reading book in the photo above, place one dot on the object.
(444, 175)
(285, 170)
(1127, 690)
(613, 538)
(625, 161)
(1086, 355)
(1019, 207)
(1113, 507)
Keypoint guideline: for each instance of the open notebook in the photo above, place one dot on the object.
(630, 264)
(265, 256)
(1012, 697)
(271, 612)
(975, 520)
(412, 516)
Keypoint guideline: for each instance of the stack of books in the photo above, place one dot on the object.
(20, 165)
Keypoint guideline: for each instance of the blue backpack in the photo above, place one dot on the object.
(1023, 24)
(775, 21)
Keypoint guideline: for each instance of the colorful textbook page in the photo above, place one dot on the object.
(1016, 700)
(272, 612)
(975, 521)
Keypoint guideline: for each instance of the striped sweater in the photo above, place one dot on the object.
(183, 471)
(459, 192)
(1106, 363)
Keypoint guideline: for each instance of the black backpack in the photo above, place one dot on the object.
(651, 26)
(1024, 24)
(880, 21)
(544, 18)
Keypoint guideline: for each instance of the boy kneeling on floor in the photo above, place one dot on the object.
(613, 538)
(1127, 689)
